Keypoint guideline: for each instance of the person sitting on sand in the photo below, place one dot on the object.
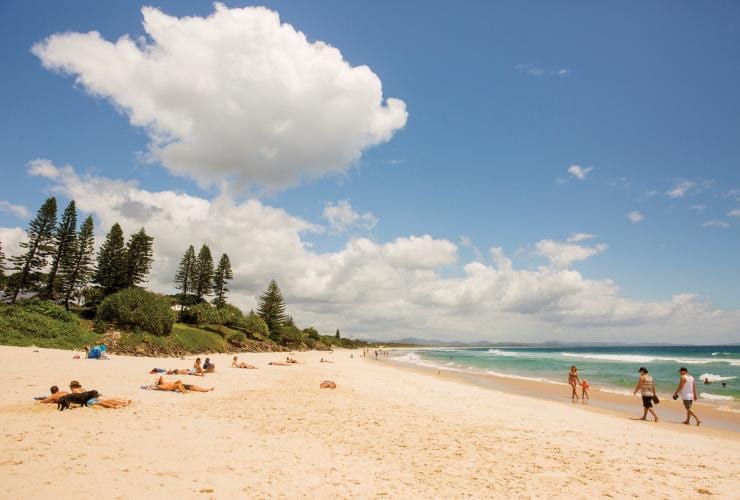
(209, 367)
(326, 361)
(279, 363)
(56, 395)
(573, 381)
(197, 368)
(113, 403)
(290, 360)
(584, 390)
(235, 364)
(178, 386)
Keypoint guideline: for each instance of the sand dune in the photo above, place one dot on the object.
(384, 432)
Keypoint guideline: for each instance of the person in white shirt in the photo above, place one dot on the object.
(687, 390)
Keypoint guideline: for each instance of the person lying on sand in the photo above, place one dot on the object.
(327, 384)
(113, 403)
(235, 364)
(176, 371)
(326, 361)
(56, 395)
(178, 386)
(278, 363)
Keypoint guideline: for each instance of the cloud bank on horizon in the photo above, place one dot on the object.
(412, 284)
(237, 97)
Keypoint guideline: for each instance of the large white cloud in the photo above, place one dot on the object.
(235, 96)
(410, 286)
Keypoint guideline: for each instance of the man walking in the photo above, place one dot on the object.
(687, 390)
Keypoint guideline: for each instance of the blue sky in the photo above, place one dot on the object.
(502, 98)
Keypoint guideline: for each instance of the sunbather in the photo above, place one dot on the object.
(113, 403)
(197, 367)
(56, 394)
(278, 363)
(236, 364)
(178, 386)
(209, 367)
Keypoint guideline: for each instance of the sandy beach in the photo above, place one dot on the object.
(384, 432)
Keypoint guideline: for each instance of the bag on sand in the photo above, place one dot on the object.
(656, 400)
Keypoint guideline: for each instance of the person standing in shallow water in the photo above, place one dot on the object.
(573, 382)
(646, 386)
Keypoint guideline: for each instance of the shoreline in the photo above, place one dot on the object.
(725, 422)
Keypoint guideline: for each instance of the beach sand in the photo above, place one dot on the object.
(384, 432)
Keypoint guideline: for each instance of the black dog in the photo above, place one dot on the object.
(80, 398)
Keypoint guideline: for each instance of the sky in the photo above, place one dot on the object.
(480, 171)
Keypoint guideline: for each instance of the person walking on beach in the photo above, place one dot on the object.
(687, 390)
(646, 386)
(573, 381)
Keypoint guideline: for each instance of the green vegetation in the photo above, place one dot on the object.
(137, 309)
(106, 293)
(43, 324)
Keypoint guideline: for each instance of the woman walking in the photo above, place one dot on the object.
(573, 381)
(646, 386)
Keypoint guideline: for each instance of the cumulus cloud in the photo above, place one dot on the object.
(734, 213)
(562, 255)
(342, 217)
(11, 238)
(12, 208)
(409, 286)
(716, 223)
(680, 189)
(635, 216)
(578, 172)
(237, 96)
(698, 208)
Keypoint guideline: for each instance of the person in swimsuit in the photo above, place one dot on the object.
(573, 382)
(236, 364)
(113, 403)
(646, 386)
(178, 386)
(56, 395)
(584, 390)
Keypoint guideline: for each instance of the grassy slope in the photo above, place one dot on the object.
(21, 326)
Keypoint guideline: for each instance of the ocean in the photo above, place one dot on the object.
(611, 369)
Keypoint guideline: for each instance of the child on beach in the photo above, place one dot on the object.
(584, 390)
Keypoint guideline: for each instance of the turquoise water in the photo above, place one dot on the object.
(607, 368)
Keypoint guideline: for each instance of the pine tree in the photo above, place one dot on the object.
(223, 273)
(40, 233)
(2, 266)
(110, 273)
(185, 277)
(271, 308)
(64, 240)
(77, 268)
(138, 258)
(203, 273)
(337, 335)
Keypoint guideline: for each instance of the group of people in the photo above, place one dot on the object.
(198, 369)
(686, 390)
(75, 388)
